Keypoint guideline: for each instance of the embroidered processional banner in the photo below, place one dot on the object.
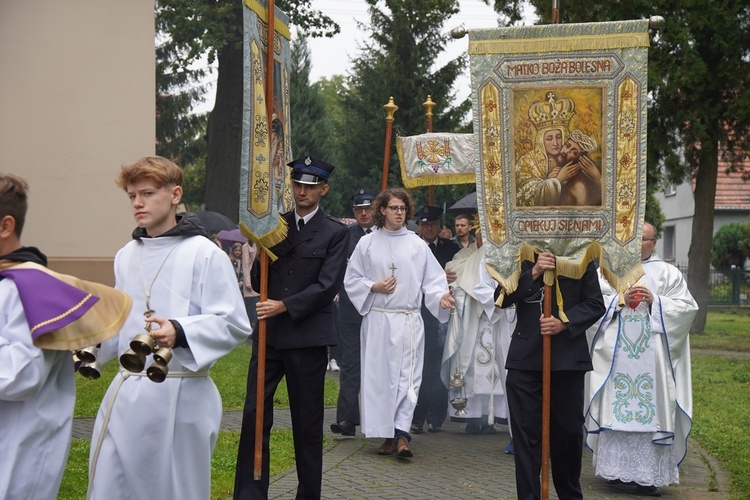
(436, 159)
(560, 124)
(265, 190)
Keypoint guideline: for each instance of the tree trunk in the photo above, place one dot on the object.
(224, 132)
(699, 255)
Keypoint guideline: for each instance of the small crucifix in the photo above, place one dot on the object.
(147, 314)
(393, 269)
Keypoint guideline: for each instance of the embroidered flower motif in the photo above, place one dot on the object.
(490, 106)
(260, 187)
(627, 125)
(261, 130)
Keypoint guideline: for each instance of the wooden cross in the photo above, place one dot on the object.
(393, 269)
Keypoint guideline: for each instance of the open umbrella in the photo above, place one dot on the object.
(215, 222)
(229, 238)
(466, 205)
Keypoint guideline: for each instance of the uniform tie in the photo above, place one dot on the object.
(301, 224)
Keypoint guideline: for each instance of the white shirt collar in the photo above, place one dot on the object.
(306, 218)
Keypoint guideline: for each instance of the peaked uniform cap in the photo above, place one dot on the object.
(310, 170)
(363, 197)
(428, 213)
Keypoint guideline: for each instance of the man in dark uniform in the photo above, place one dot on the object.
(349, 324)
(583, 306)
(302, 284)
(432, 404)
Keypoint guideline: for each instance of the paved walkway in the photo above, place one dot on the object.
(451, 464)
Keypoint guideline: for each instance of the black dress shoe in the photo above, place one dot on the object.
(416, 429)
(344, 427)
(648, 491)
(434, 428)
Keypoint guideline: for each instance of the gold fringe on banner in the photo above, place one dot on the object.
(436, 180)
(567, 269)
(269, 239)
(559, 44)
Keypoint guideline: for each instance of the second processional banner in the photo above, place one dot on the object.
(436, 159)
(560, 126)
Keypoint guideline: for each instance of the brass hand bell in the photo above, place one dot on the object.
(89, 368)
(143, 344)
(158, 371)
(91, 371)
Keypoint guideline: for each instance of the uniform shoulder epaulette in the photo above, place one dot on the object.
(335, 219)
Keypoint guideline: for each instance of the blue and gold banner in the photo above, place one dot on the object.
(560, 126)
(265, 189)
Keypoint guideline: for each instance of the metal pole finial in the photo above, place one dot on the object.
(428, 105)
(459, 32)
(390, 109)
(656, 22)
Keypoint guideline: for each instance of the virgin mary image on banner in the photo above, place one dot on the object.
(560, 127)
(556, 134)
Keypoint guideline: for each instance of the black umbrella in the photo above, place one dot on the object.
(466, 205)
(215, 222)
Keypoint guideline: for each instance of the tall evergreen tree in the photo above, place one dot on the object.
(699, 107)
(311, 131)
(407, 36)
(312, 128)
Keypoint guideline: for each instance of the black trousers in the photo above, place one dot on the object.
(524, 390)
(432, 404)
(350, 376)
(305, 371)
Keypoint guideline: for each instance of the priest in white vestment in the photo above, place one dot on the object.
(478, 340)
(387, 276)
(640, 406)
(155, 440)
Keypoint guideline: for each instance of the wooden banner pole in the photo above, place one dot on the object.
(428, 105)
(390, 109)
(261, 377)
(547, 353)
(546, 381)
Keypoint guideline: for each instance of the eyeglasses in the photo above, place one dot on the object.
(649, 239)
(397, 208)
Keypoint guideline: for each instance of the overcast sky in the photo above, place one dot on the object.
(331, 56)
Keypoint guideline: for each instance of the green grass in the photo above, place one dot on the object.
(726, 330)
(721, 419)
(230, 376)
(223, 463)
